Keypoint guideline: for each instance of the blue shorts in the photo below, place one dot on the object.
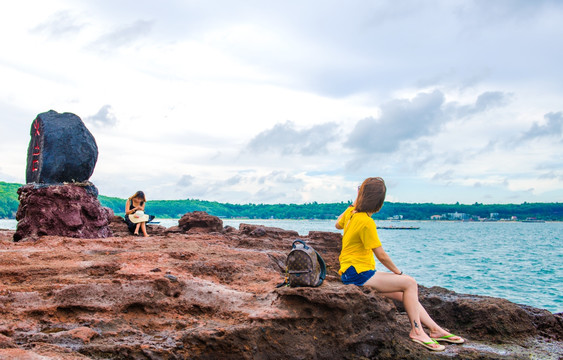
(351, 277)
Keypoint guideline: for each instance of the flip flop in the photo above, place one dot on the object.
(448, 338)
(428, 345)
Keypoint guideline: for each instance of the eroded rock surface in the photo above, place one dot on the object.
(200, 295)
(64, 210)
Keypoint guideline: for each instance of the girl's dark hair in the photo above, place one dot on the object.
(371, 195)
(139, 194)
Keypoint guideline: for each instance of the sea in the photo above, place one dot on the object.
(518, 261)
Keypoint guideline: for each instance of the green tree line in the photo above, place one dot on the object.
(176, 208)
(8, 200)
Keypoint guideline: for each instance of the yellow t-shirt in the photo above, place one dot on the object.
(359, 240)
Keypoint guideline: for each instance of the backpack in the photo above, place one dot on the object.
(303, 266)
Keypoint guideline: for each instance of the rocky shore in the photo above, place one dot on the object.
(200, 291)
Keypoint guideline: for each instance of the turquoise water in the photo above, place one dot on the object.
(522, 262)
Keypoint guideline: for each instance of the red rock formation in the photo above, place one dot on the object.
(204, 295)
(200, 221)
(65, 210)
(272, 232)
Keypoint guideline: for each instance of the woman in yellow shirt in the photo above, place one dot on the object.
(360, 246)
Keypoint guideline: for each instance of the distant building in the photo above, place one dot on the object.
(437, 217)
(458, 216)
(395, 217)
(494, 216)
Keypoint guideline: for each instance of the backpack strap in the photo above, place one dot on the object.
(322, 263)
(300, 241)
(285, 281)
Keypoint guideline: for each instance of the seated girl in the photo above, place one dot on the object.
(135, 216)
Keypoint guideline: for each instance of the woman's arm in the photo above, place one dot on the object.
(130, 211)
(337, 225)
(385, 259)
(127, 211)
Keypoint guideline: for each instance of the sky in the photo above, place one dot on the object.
(295, 101)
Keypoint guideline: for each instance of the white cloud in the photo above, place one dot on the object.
(104, 117)
(123, 36)
(59, 24)
(401, 120)
(552, 127)
(286, 139)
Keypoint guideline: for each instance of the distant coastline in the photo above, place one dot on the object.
(174, 209)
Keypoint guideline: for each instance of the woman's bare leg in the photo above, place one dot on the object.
(387, 283)
(137, 229)
(144, 229)
(436, 330)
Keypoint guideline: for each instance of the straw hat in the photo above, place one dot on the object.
(138, 216)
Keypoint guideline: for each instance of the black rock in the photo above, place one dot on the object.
(61, 149)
